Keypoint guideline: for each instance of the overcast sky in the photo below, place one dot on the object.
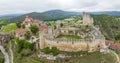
(26, 6)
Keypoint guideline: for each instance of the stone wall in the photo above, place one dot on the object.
(72, 45)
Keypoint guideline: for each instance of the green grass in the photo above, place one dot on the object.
(1, 58)
(9, 27)
(95, 57)
(18, 58)
(69, 36)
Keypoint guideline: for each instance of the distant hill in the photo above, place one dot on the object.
(111, 13)
(47, 16)
(9, 16)
(53, 15)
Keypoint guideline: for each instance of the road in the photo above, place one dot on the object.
(6, 56)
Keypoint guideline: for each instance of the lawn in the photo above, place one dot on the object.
(69, 36)
(9, 27)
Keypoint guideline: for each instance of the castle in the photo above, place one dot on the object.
(70, 37)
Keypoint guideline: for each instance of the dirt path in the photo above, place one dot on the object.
(11, 53)
(6, 56)
(116, 55)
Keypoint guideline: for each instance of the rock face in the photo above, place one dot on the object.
(91, 41)
(4, 39)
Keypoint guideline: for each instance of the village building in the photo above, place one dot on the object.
(30, 21)
(20, 33)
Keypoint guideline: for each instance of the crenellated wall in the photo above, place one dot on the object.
(72, 45)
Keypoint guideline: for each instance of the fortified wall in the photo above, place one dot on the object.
(72, 45)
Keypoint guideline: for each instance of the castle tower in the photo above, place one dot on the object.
(50, 30)
(42, 41)
(27, 22)
(87, 19)
(28, 19)
(58, 24)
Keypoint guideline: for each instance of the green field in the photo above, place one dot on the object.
(9, 27)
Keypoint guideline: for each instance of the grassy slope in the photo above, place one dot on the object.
(1, 57)
(90, 58)
(9, 27)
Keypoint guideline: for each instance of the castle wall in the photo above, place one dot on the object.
(72, 45)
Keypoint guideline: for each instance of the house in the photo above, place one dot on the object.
(30, 21)
(43, 29)
(20, 33)
(112, 45)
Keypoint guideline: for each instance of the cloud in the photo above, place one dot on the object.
(26, 6)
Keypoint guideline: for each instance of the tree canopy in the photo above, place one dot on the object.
(34, 29)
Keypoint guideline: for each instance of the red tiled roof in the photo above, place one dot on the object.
(20, 31)
(113, 45)
(43, 28)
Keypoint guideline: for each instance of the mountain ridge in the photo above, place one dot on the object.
(55, 15)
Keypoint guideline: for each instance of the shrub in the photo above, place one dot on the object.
(23, 44)
(2, 60)
(53, 50)
(34, 29)
(27, 35)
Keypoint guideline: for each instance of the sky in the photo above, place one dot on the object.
(27, 6)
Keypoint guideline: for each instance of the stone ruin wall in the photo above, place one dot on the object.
(69, 45)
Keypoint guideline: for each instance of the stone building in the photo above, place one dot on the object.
(20, 33)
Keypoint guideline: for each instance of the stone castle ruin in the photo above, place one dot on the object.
(90, 41)
(87, 19)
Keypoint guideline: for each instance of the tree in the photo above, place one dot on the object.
(55, 27)
(23, 25)
(18, 24)
(23, 44)
(34, 29)
(2, 60)
(55, 51)
(27, 35)
(61, 25)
